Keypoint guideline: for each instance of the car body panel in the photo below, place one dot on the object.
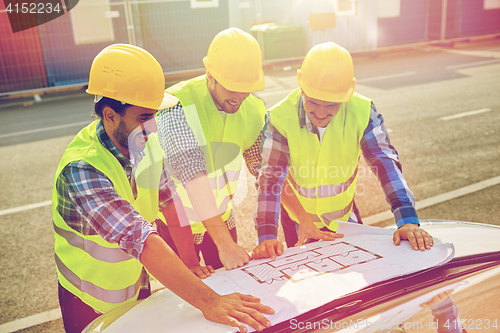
(477, 253)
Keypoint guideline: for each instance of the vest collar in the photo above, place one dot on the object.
(109, 145)
(304, 118)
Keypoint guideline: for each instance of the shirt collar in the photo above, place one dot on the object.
(109, 145)
(304, 118)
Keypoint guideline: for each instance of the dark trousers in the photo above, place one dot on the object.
(291, 228)
(77, 315)
(207, 248)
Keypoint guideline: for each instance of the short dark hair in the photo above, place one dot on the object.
(117, 106)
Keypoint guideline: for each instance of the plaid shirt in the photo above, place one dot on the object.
(179, 144)
(252, 156)
(376, 148)
(89, 204)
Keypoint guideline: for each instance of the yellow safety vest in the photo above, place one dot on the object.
(221, 142)
(323, 176)
(96, 271)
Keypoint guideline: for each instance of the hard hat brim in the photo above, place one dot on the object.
(168, 101)
(244, 87)
(340, 97)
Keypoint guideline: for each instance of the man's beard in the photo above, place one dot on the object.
(121, 134)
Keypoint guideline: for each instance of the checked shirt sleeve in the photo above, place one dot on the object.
(270, 176)
(252, 156)
(179, 143)
(167, 190)
(103, 211)
(384, 162)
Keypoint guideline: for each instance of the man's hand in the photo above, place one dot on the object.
(268, 249)
(200, 193)
(234, 309)
(307, 229)
(237, 309)
(419, 238)
(201, 271)
(232, 255)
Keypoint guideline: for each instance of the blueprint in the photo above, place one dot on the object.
(323, 258)
(301, 279)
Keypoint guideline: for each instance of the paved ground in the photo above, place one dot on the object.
(413, 89)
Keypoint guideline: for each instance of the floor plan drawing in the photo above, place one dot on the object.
(301, 279)
(324, 258)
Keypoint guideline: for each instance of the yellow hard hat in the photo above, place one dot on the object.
(234, 59)
(130, 75)
(327, 73)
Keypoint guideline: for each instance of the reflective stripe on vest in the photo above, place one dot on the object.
(104, 295)
(330, 217)
(96, 251)
(323, 191)
(223, 208)
(222, 142)
(96, 271)
(324, 176)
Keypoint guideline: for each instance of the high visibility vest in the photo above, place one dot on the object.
(96, 271)
(221, 142)
(323, 176)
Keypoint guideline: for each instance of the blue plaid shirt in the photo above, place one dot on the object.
(376, 148)
(89, 204)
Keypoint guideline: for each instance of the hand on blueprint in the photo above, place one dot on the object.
(201, 271)
(268, 249)
(439, 298)
(232, 255)
(419, 238)
(236, 309)
(307, 229)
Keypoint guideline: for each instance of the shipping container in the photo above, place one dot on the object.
(21, 58)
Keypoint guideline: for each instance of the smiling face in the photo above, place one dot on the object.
(225, 100)
(129, 132)
(320, 112)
